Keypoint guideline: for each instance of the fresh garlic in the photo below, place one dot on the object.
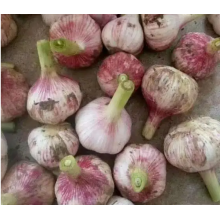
(116, 64)
(27, 183)
(14, 92)
(53, 97)
(8, 29)
(214, 19)
(197, 55)
(103, 125)
(193, 146)
(76, 40)
(103, 19)
(162, 29)
(124, 34)
(117, 200)
(49, 19)
(86, 180)
(140, 173)
(4, 155)
(167, 92)
(49, 144)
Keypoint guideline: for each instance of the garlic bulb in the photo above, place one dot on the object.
(167, 92)
(193, 146)
(76, 40)
(8, 29)
(49, 144)
(140, 173)
(13, 93)
(117, 200)
(115, 65)
(86, 180)
(49, 19)
(197, 55)
(4, 155)
(53, 97)
(27, 183)
(124, 34)
(162, 29)
(214, 19)
(103, 19)
(103, 125)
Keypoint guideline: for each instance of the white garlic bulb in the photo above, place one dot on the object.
(51, 18)
(214, 19)
(4, 155)
(49, 144)
(124, 34)
(193, 146)
(117, 200)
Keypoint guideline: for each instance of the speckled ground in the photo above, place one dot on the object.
(182, 188)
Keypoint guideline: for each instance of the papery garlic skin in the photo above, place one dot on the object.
(49, 144)
(167, 92)
(93, 186)
(117, 200)
(124, 34)
(109, 136)
(84, 33)
(8, 29)
(49, 19)
(53, 99)
(4, 155)
(162, 29)
(14, 92)
(192, 56)
(28, 183)
(214, 19)
(116, 64)
(103, 19)
(147, 159)
(193, 146)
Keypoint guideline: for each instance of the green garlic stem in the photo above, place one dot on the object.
(65, 47)
(139, 180)
(69, 165)
(8, 199)
(8, 126)
(120, 98)
(122, 77)
(214, 46)
(212, 184)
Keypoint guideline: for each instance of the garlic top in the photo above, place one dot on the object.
(117, 200)
(124, 34)
(193, 146)
(214, 19)
(50, 143)
(140, 173)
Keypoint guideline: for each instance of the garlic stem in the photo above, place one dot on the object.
(69, 165)
(65, 47)
(151, 125)
(212, 184)
(8, 199)
(139, 180)
(45, 56)
(214, 46)
(8, 126)
(7, 65)
(189, 17)
(122, 77)
(120, 98)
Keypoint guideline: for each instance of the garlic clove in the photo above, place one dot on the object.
(140, 173)
(14, 92)
(53, 98)
(103, 125)
(167, 92)
(192, 146)
(115, 65)
(214, 19)
(197, 55)
(75, 40)
(49, 144)
(8, 29)
(103, 19)
(86, 180)
(27, 183)
(124, 34)
(117, 200)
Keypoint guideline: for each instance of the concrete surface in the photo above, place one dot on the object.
(182, 188)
